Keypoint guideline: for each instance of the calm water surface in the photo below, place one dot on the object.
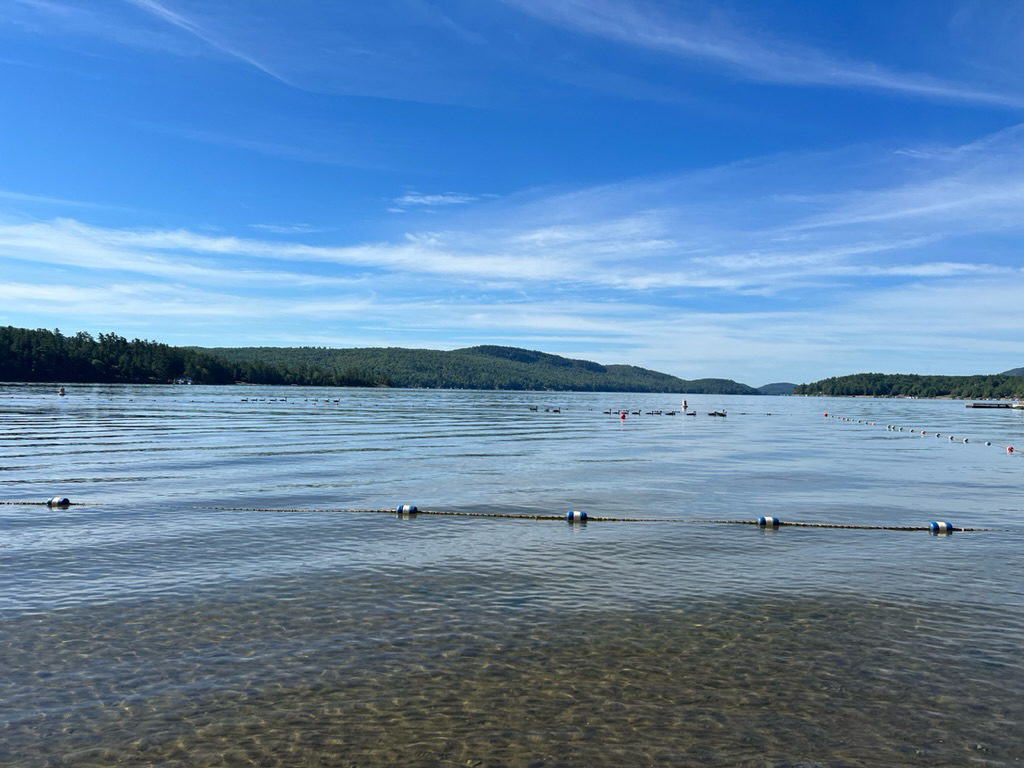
(214, 598)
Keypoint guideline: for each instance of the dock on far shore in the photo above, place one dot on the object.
(1018, 404)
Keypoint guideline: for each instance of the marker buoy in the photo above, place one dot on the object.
(769, 522)
(406, 509)
(940, 526)
(622, 416)
(59, 501)
(1009, 449)
(575, 516)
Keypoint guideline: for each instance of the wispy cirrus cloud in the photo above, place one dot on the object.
(63, 202)
(446, 198)
(723, 43)
(445, 53)
(289, 229)
(424, 202)
(921, 249)
(202, 32)
(686, 232)
(66, 243)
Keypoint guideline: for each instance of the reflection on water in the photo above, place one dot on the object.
(148, 626)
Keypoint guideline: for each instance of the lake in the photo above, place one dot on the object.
(232, 587)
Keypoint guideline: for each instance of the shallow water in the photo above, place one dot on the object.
(213, 599)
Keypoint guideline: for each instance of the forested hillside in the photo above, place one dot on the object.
(483, 367)
(913, 385)
(50, 356)
(778, 388)
(42, 355)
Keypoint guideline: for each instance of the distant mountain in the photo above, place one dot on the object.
(779, 388)
(42, 355)
(481, 367)
(1013, 372)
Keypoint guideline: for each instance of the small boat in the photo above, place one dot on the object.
(717, 413)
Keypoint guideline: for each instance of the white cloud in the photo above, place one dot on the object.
(441, 54)
(572, 239)
(448, 198)
(200, 31)
(288, 229)
(650, 26)
(63, 202)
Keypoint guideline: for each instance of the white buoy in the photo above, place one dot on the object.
(575, 516)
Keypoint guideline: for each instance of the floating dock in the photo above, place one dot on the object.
(996, 405)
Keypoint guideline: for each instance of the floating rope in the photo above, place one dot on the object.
(1009, 449)
(573, 516)
(579, 517)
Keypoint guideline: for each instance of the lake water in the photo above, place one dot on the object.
(215, 598)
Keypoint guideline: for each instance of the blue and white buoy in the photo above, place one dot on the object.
(769, 522)
(940, 527)
(59, 501)
(406, 509)
(575, 516)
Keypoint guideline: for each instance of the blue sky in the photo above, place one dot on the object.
(762, 191)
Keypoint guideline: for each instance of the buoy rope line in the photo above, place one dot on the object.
(582, 517)
(572, 516)
(1009, 449)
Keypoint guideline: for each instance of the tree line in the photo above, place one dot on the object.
(984, 387)
(50, 356)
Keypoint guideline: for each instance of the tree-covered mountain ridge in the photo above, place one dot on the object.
(51, 356)
(479, 367)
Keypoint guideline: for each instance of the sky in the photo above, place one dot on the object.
(759, 191)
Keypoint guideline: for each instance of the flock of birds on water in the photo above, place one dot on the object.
(620, 413)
